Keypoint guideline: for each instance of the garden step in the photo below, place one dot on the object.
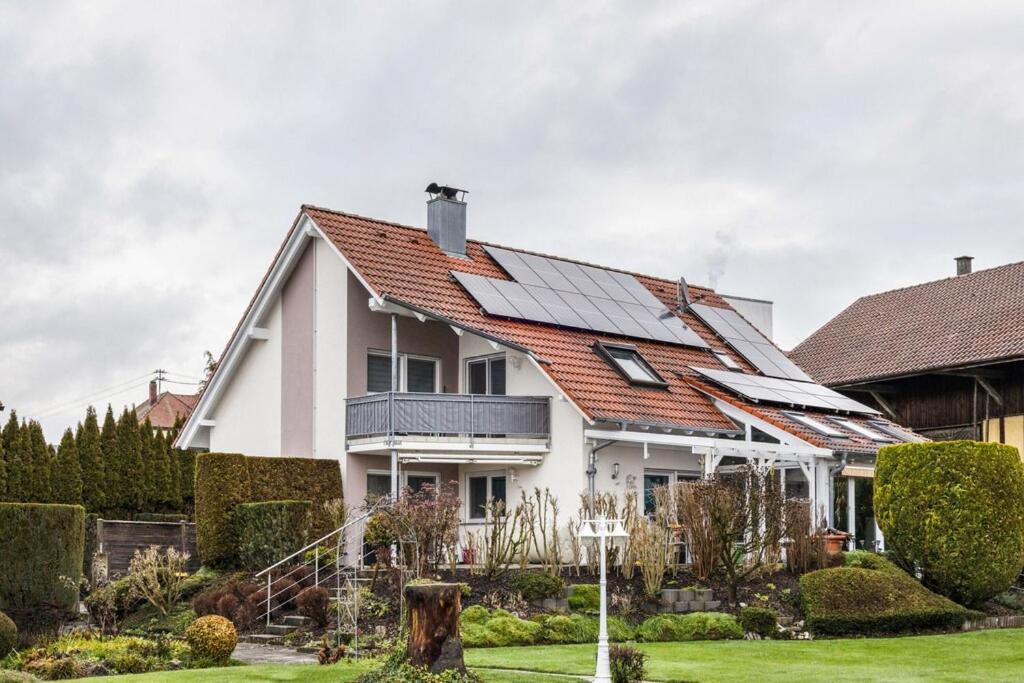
(263, 639)
(295, 620)
(279, 629)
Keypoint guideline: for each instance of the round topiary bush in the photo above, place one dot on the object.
(760, 620)
(8, 635)
(212, 637)
(538, 585)
(955, 511)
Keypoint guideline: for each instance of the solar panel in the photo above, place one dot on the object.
(574, 295)
(750, 343)
(784, 391)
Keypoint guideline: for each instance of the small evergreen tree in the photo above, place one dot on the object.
(3, 472)
(150, 496)
(170, 455)
(67, 472)
(40, 458)
(19, 472)
(110, 451)
(132, 477)
(90, 457)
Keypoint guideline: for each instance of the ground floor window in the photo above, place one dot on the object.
(481, 489)
(378, 484)
(654, 479)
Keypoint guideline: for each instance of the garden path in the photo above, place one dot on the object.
(250, 653)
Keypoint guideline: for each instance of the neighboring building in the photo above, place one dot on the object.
(945, 358)
(164, 409)
(513, 370)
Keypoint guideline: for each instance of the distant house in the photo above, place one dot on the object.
(165, 409)
(945, 358)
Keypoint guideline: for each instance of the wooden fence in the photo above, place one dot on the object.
(1002, 621)
(117, 541)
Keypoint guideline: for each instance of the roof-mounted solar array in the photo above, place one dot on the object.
(749, 343)
(785, 391)
(558, 292)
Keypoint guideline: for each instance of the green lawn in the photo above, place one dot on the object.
(982, 656)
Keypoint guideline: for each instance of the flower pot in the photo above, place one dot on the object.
(834, 543)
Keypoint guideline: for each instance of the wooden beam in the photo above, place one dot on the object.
(885, 406)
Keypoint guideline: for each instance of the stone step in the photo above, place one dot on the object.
(295, 620)
(279, 629)
(262, 639)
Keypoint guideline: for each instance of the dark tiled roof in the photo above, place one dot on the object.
(956, 322)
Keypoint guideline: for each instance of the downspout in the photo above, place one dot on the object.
(592, 473)
(394, 390)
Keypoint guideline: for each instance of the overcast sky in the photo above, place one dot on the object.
(152, 158)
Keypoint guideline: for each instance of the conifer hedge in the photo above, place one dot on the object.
(954, 510)
(226, 480)
(270, 531)
(41, 552)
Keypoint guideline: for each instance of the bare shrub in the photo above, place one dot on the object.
(650, 547)
(701, 541)
(805, 550)
(502, 540)
(157, 576)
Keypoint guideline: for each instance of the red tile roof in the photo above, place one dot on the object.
(959, 321)
(167, 409)
(402, 263)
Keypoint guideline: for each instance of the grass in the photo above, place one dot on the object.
(981, 656)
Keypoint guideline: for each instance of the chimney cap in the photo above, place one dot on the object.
(963, 265)
(448, 192)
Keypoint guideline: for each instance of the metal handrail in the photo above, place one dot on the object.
(366, 514)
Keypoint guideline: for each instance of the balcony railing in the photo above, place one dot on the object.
(469, 415)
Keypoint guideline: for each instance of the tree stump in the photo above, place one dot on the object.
(434, 640)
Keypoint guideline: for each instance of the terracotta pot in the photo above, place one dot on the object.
(834, 543)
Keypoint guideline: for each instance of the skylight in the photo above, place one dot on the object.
(816, 425)
(858, 428)
(727, 361)
(628, 361)
(897, 434)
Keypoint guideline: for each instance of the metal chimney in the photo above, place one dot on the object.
(963, 265)
(446, 218)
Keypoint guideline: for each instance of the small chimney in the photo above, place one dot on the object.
(446, 218)
(152, 392)
(963, 265)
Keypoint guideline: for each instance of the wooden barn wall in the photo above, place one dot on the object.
(940, 401)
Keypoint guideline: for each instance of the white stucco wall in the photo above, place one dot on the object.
(563, 470)
(248, 414)
(331, 353)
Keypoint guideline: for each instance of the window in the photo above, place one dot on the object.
(415, 373)
(628, 361)
(727, 361)
(651, 482)
(483, 488)
(815, 425)
(377, 485)
(416, 481)
(486, 376)
(858, 428)
(895, 432)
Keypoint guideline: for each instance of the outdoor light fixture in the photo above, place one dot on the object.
(603, 529)
(615, 471)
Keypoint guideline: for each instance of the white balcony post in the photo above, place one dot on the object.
(851, 511)
(394, 389)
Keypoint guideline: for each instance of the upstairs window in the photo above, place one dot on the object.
(630, 364)
(860, 429)
(486, 376)
(817, 425)
(415, 373)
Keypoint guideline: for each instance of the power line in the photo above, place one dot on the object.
(89, 396)
(85, 403)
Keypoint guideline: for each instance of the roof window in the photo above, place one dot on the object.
(726, 360)
(895, 433)
(816, 425)
(860, 429)
(630, 364)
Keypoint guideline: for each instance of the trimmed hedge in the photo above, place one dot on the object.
(90, 546)
(585, 597)
(538, 585)
(226, 480)
(268, 532)
(41, 551)
(854, 600)
(481, 628)
(171, 517)
(954, 510)
(692, 626)
(760, 620)
(8, 635)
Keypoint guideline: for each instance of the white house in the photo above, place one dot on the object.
(414, 356)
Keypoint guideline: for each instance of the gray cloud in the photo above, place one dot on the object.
(152, 156)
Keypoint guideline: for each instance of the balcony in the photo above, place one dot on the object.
(449, 427)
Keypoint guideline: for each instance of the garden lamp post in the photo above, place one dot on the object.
(603, 529)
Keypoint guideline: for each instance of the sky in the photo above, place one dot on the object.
(153, 155)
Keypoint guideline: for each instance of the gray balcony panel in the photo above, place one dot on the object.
(448, 414)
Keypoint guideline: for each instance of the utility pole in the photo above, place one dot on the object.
(161, 375)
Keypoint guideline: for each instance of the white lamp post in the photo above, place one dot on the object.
(603, 529)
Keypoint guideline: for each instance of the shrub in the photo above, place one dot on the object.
(224, 481)
(313, 602)
(693, 626)
(212, 637)
(239, 601)
(474, 614)
(955, 511)
(627, 664)
(157, 576)
(760, 620)
(859, 601)
(41, 555)
(8, 635)
(270, 531)
(538, 585)
(16, 677)
(585, 597)
(576, 628)
(160, 517)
